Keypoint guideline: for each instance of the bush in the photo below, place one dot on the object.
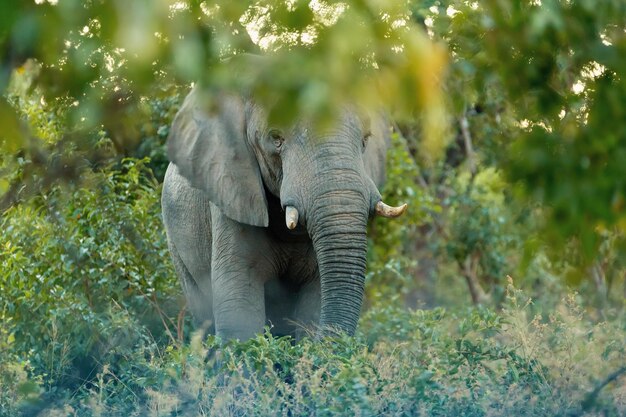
(473, 362)
(89, 300)
(83, 273)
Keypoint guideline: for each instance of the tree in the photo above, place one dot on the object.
(97, 60)
(542, 78)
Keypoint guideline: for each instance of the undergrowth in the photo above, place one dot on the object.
(90, 326)
(402, 363)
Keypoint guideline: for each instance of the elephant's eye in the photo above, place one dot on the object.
(366, 137)
(276, 138)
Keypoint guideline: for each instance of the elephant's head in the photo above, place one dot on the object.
(326, 181)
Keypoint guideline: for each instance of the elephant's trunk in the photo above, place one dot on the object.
(337, 226)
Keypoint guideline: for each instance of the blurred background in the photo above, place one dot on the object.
(509, 144)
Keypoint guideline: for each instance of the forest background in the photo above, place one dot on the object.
(501, 292)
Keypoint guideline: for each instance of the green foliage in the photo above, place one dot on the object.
(463, 222)
(547, 75)
(434, 362)
(88, 329)
(60, 151)
(318, 54)
(531, 187)
(15, 385)
(392, 243)
(402, 187)
(82, 269)
(480, 235)
(159, 112)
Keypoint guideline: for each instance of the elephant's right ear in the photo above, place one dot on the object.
(208, 145)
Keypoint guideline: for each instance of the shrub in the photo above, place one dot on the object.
(473, 362)
(83, 273)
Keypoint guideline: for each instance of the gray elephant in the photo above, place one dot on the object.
(268, 226)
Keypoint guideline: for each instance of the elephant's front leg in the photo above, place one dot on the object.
(241, 264)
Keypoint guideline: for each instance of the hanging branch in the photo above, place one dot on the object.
(467, 140)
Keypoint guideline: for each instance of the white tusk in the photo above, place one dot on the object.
(291, 217)
(384, 210)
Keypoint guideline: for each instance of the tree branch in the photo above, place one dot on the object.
(591, 398)
(469, 149)
(470, 272)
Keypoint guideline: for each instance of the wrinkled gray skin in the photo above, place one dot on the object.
(223, 207)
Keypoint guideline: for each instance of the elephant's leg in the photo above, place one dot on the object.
(186, 215)
(241, 264)
(198, 299)
(307, 313)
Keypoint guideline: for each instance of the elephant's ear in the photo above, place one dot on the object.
(208, 145)
(375, 155)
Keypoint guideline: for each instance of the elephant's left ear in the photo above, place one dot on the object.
(207, 143)
(375, 156)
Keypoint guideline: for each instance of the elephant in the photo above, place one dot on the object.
(267, 226)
